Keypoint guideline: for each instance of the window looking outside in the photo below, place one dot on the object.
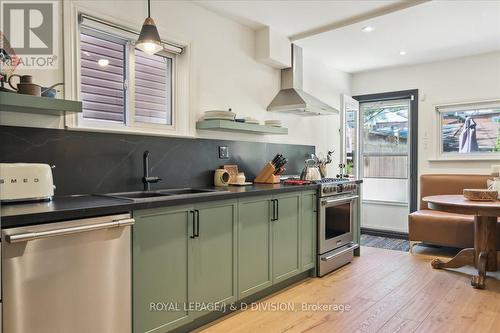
(470, 129)
(385, 150)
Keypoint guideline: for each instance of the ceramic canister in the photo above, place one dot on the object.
(221, 177)
(240, 178)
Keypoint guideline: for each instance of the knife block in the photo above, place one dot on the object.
(266, 175)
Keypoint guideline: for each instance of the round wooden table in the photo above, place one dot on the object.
(484, 255)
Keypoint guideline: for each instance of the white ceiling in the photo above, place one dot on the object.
(292, 17)
(431, 31)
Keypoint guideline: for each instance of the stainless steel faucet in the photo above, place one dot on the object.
(147, 179)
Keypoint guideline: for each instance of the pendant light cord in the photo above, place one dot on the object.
(149, 8)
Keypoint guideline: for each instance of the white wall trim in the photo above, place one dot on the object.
(181, 112)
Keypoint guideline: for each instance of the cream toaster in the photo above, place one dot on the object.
(26, 182)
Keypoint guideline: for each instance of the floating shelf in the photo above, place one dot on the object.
(233, 126)
(36, 104)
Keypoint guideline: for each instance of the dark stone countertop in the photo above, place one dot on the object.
(82, 206)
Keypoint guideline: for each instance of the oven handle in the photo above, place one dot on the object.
(350, 248)
(326, 202)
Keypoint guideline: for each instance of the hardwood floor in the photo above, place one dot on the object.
(388, 291)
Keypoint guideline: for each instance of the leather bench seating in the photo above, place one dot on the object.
(442, 228)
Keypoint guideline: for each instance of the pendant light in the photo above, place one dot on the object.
(149, 39)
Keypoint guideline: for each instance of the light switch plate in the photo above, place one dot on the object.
(223, 152)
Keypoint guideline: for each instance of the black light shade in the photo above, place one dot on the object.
(149, 39)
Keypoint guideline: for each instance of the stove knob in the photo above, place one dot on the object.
(334, 188)
(325, 189)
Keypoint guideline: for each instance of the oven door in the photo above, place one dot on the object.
(336, 222)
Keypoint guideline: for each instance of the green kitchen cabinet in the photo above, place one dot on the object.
(216, 252)
(286, 236)
(183, 257)
(308, 230)
(160, 243)
(213, 255)
(254, 245)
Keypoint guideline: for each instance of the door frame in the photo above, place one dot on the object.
(411, 94)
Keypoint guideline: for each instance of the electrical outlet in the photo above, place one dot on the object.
(223, 152)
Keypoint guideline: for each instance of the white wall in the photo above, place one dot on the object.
(224, 72)
(458, 80)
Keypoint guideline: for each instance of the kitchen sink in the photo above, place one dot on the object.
(139, 195)
(186, 191)
(163, 194)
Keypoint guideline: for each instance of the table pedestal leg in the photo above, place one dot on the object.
(485, 246)
(463, 258)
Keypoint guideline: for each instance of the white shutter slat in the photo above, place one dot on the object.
(116, 68)
(106, 91)
(145, 93)
(102, 89)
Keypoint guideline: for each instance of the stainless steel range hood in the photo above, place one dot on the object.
(291, 98)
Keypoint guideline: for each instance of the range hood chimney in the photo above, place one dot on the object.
(291, 98)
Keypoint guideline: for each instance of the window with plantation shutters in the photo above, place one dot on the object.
(153, 89)
(123, 88)
(103, 70)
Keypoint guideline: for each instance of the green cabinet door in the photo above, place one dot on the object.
(160, 268)
(254, 245)
(213, 256)
(286, 236)
(308, 231)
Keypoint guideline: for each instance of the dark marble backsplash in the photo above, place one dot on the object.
(90, 162)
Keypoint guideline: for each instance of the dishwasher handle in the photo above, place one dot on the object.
(28, 236)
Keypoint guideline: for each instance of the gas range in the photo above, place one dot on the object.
(338, 223)
(336, 186)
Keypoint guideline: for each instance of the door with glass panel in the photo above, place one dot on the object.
(349, 153)
(385, 141)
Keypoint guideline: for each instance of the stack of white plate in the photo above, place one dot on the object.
(219, 115)
(273, 123)
(250, 120)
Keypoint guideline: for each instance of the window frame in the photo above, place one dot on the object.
(180, 80)
(413, 134)
(456, 156)
(129, 86)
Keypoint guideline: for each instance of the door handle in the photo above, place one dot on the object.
(193, 224)
(350, 248)
(28, 236)
(277, 209)
(197, 223)
(273, 217)
(340, 200)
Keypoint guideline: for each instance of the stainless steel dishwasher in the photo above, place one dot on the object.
(70, 276)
